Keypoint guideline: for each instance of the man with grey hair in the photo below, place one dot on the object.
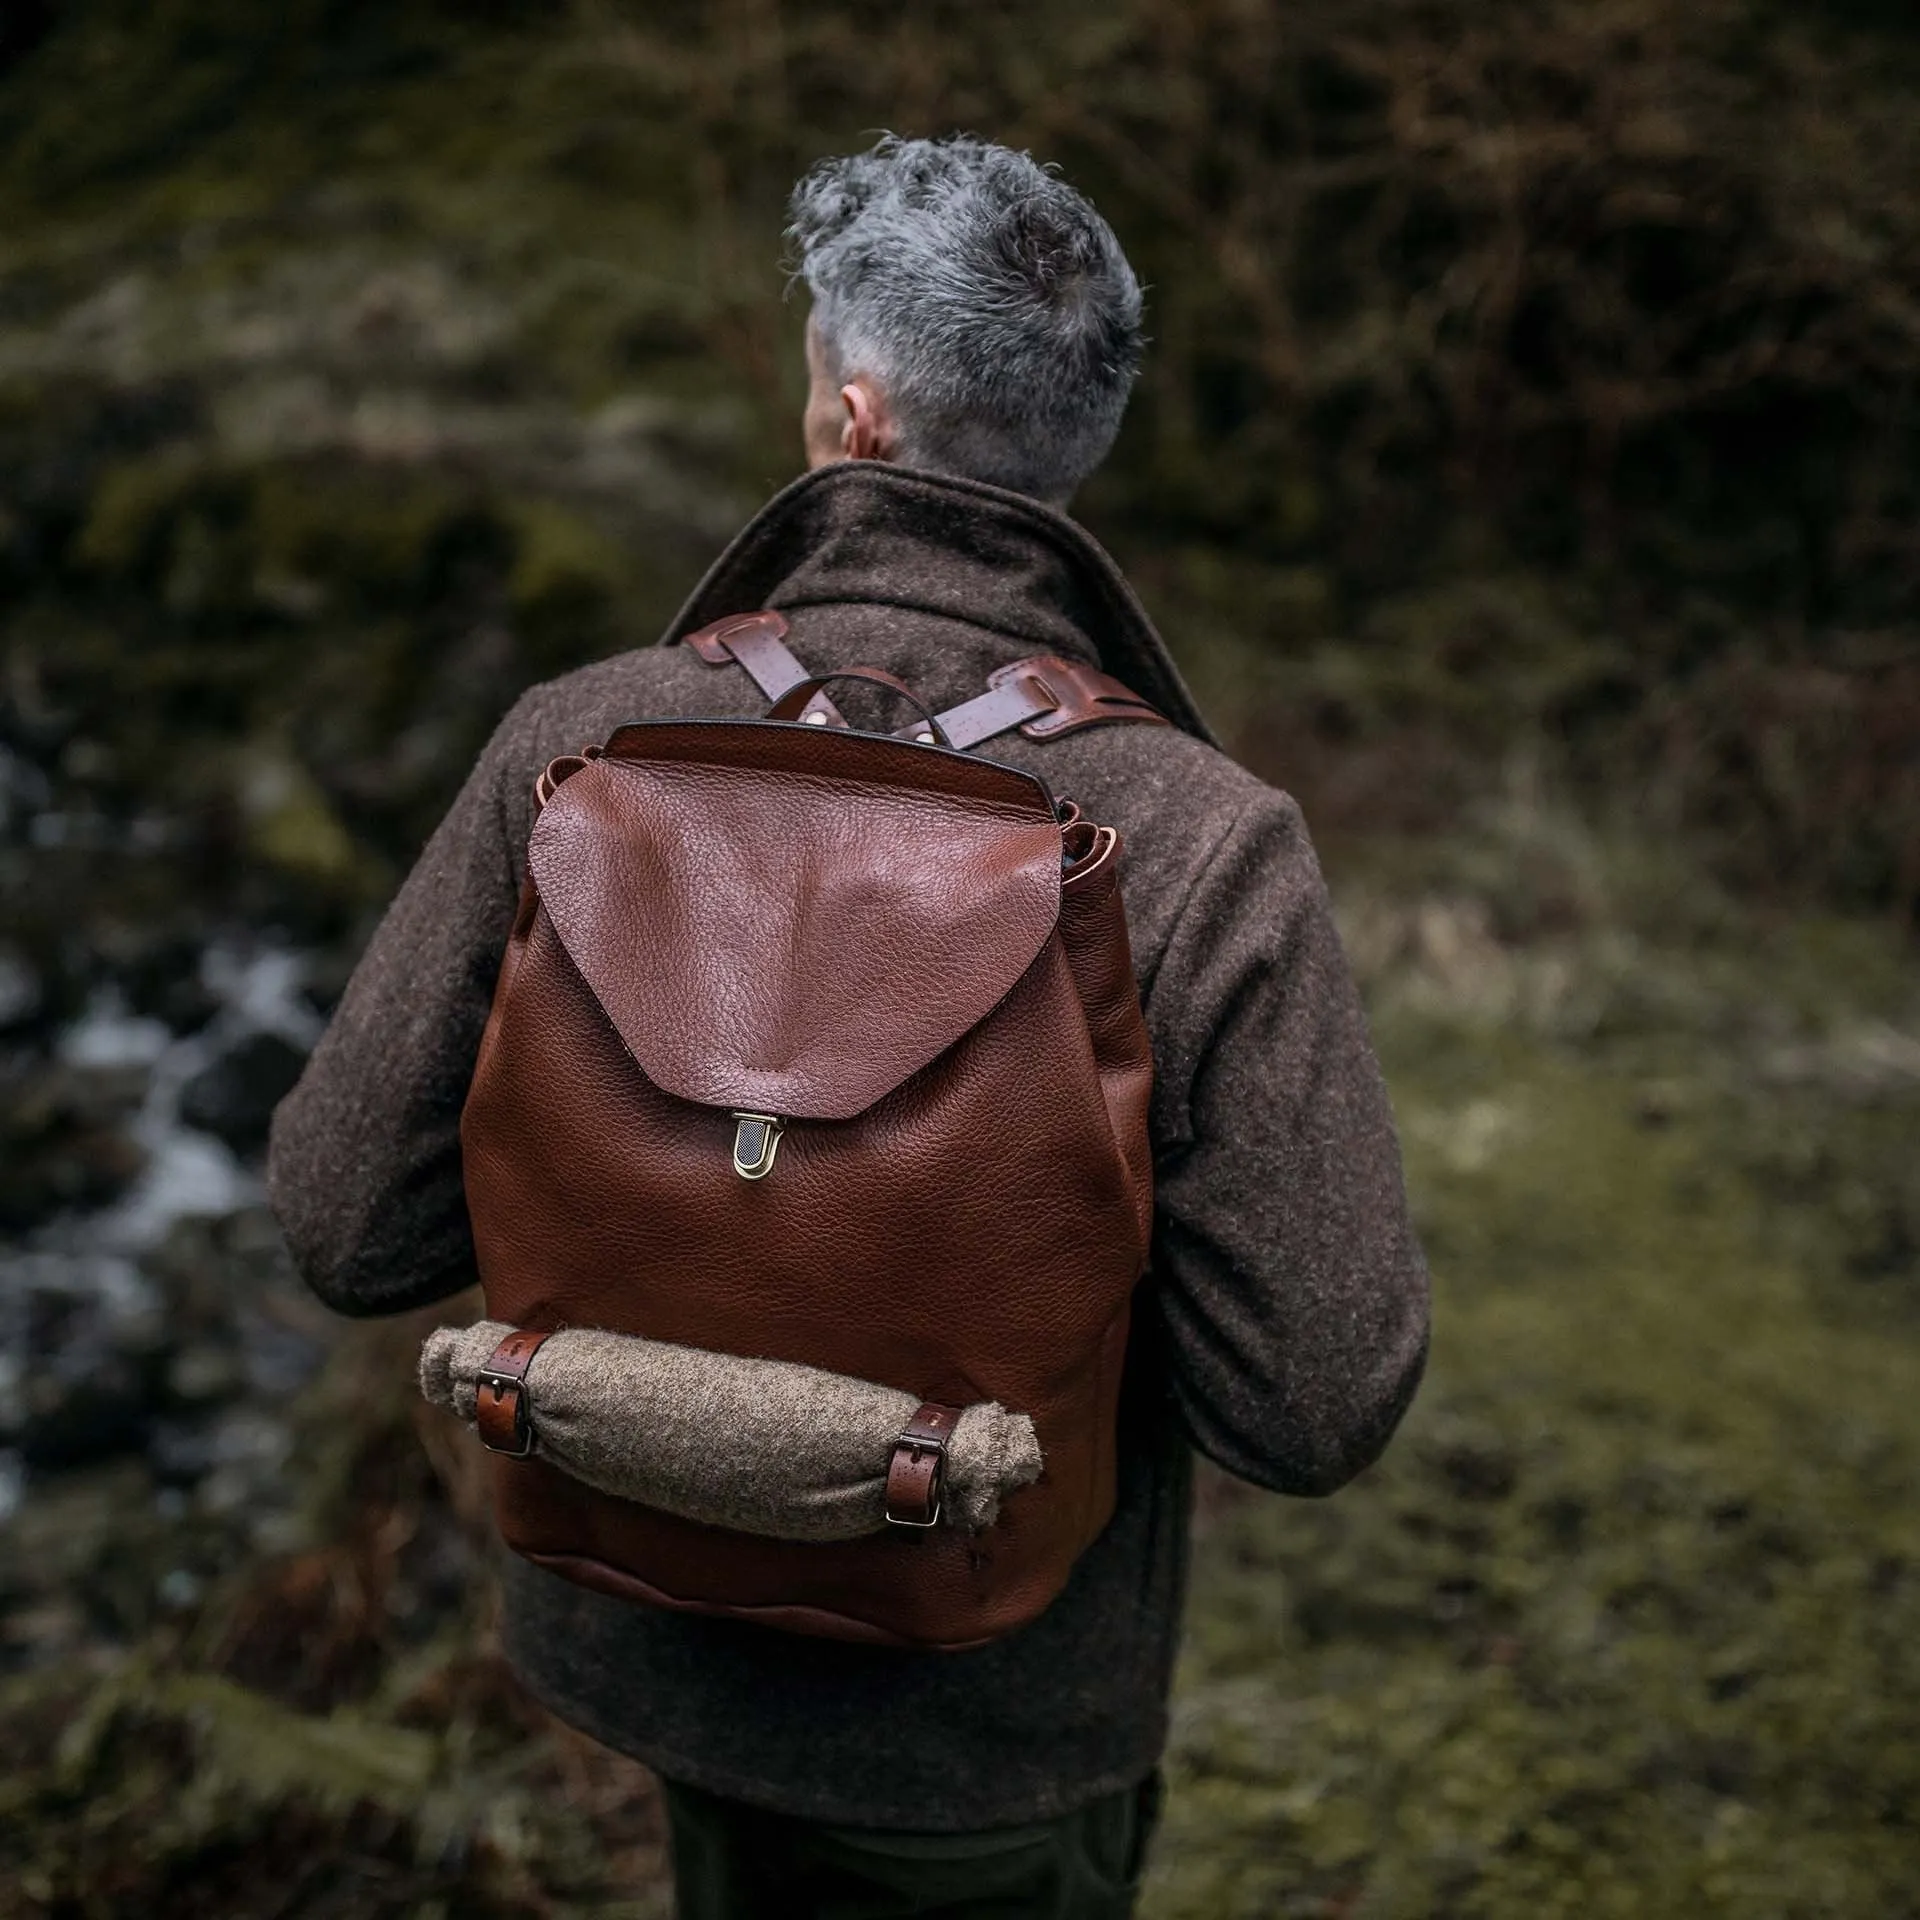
(974, 335)
(972, 315)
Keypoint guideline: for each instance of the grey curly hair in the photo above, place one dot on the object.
(987, 298)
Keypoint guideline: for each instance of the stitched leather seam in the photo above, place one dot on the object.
(997, 809)
(631, 1583)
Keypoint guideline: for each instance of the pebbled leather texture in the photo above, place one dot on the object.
(798, 941)
(873, 940)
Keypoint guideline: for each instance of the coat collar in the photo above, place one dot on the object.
(870, 532)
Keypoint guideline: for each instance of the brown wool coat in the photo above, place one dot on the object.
(1284, 1321)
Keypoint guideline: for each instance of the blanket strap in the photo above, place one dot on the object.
(503, 1405)
(918, 1468)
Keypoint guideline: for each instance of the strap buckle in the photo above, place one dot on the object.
(501, 1413)
(500, 1385)
(916, 1475)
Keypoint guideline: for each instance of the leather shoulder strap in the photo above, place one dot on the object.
(1044, 696)
(758, 642)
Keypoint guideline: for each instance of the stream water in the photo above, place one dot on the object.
(161, 1330)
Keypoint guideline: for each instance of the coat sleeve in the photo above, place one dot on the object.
(1291, 1287)
(363, 1167)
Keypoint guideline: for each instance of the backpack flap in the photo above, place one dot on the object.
(788, 922)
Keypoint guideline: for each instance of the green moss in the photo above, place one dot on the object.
(290, 823)
(1626, 1623)
(569, 586)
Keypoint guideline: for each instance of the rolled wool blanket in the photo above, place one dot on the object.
(763, 1446)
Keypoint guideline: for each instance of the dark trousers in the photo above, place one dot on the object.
(734, 1862)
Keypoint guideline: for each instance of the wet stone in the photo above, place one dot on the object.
(234, 1098)
(21, 995)
(184, 1003)
(161, 976)
(205, 1373)
(65, 1142)
(84, 1348)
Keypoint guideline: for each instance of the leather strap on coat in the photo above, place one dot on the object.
(1043, 696)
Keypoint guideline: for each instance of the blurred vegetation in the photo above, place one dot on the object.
(1623, 1624)
(1528, 474)
(1548, 372)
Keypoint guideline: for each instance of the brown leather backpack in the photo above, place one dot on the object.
(822, 1046)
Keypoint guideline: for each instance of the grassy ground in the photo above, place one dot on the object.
(1625, 1623)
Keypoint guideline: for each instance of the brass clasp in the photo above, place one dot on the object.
(756, 1139)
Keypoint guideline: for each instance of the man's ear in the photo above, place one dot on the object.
(867, 432)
